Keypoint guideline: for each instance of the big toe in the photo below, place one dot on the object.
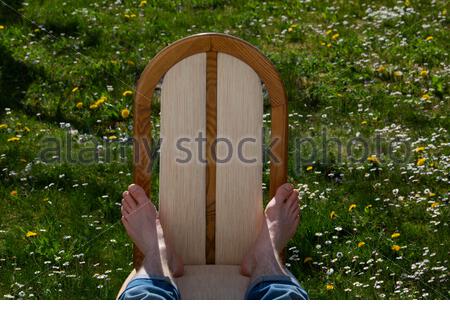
(138, 194)
(283, 192)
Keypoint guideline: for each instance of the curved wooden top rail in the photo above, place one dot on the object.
(210, 42)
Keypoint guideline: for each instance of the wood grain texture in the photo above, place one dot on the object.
(212, 282)
(182, 180)
(211, 134)
(239, 204)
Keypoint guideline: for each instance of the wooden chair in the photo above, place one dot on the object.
(211, 210)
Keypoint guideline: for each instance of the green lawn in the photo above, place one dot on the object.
(374, 71)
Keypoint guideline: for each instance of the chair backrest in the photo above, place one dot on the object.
(210, 184)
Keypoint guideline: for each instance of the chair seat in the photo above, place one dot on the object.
(212, 282)
(208, 282)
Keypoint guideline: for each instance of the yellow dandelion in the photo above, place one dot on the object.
(333, 215)
(125, 113)
(373, 159)
(14, 139)
(424, 73)
(335, 36)
(381, 69)
(429, 38)
(329, 286)
(98, 103)
(75, 89)
(398, 73)
(426, 96)
(127, 93)
(31, 234)
(143, 3)
(3, 126)
(2, 27)
(309, 168)
(420, 162)
(112, 137)
(352, 206)
(435, 204)
(13, 193)
(419, 149)
(395, 235)
(307, 259)
(361, 244)
(329, 45)
(79, 105)
(322, 43)
(395, 247)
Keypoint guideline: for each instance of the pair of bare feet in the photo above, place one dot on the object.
(142, 224)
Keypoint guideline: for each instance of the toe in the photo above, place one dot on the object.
(126, 209)
(293, 198)
(283, 192)
(129, 200)
(138, 194)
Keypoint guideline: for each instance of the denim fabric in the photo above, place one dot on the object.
(153, 288)
(276, 287)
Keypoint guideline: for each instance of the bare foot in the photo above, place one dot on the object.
(140, 218)
(282, 218)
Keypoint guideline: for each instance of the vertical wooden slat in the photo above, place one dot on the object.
(182, 175)
(211, 134)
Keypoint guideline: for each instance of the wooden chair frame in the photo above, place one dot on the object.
(211, 44)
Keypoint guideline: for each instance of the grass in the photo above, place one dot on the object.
(377, 70)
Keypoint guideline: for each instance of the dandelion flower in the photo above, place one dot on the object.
(420, 162)
(309, 168)
(333, 215)
(373, 158)
(395, 247)
(424, 73)
(79, 105)
(31, 234)
(14, 139)
(426, 97)
(98, 103)
(2, 27)
(429, 38)
(13, 193)
(125, 113)
(335, 36)
(75, 89)
(419, 149)
(435, 204)
(143, 3)
(329, 286)
(3, 126)
(395, 235)
(361, 244)
(127, 93)
(352, 206)
(112, 137)
(381, 69)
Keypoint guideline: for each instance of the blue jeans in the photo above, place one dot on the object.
(276, 287)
